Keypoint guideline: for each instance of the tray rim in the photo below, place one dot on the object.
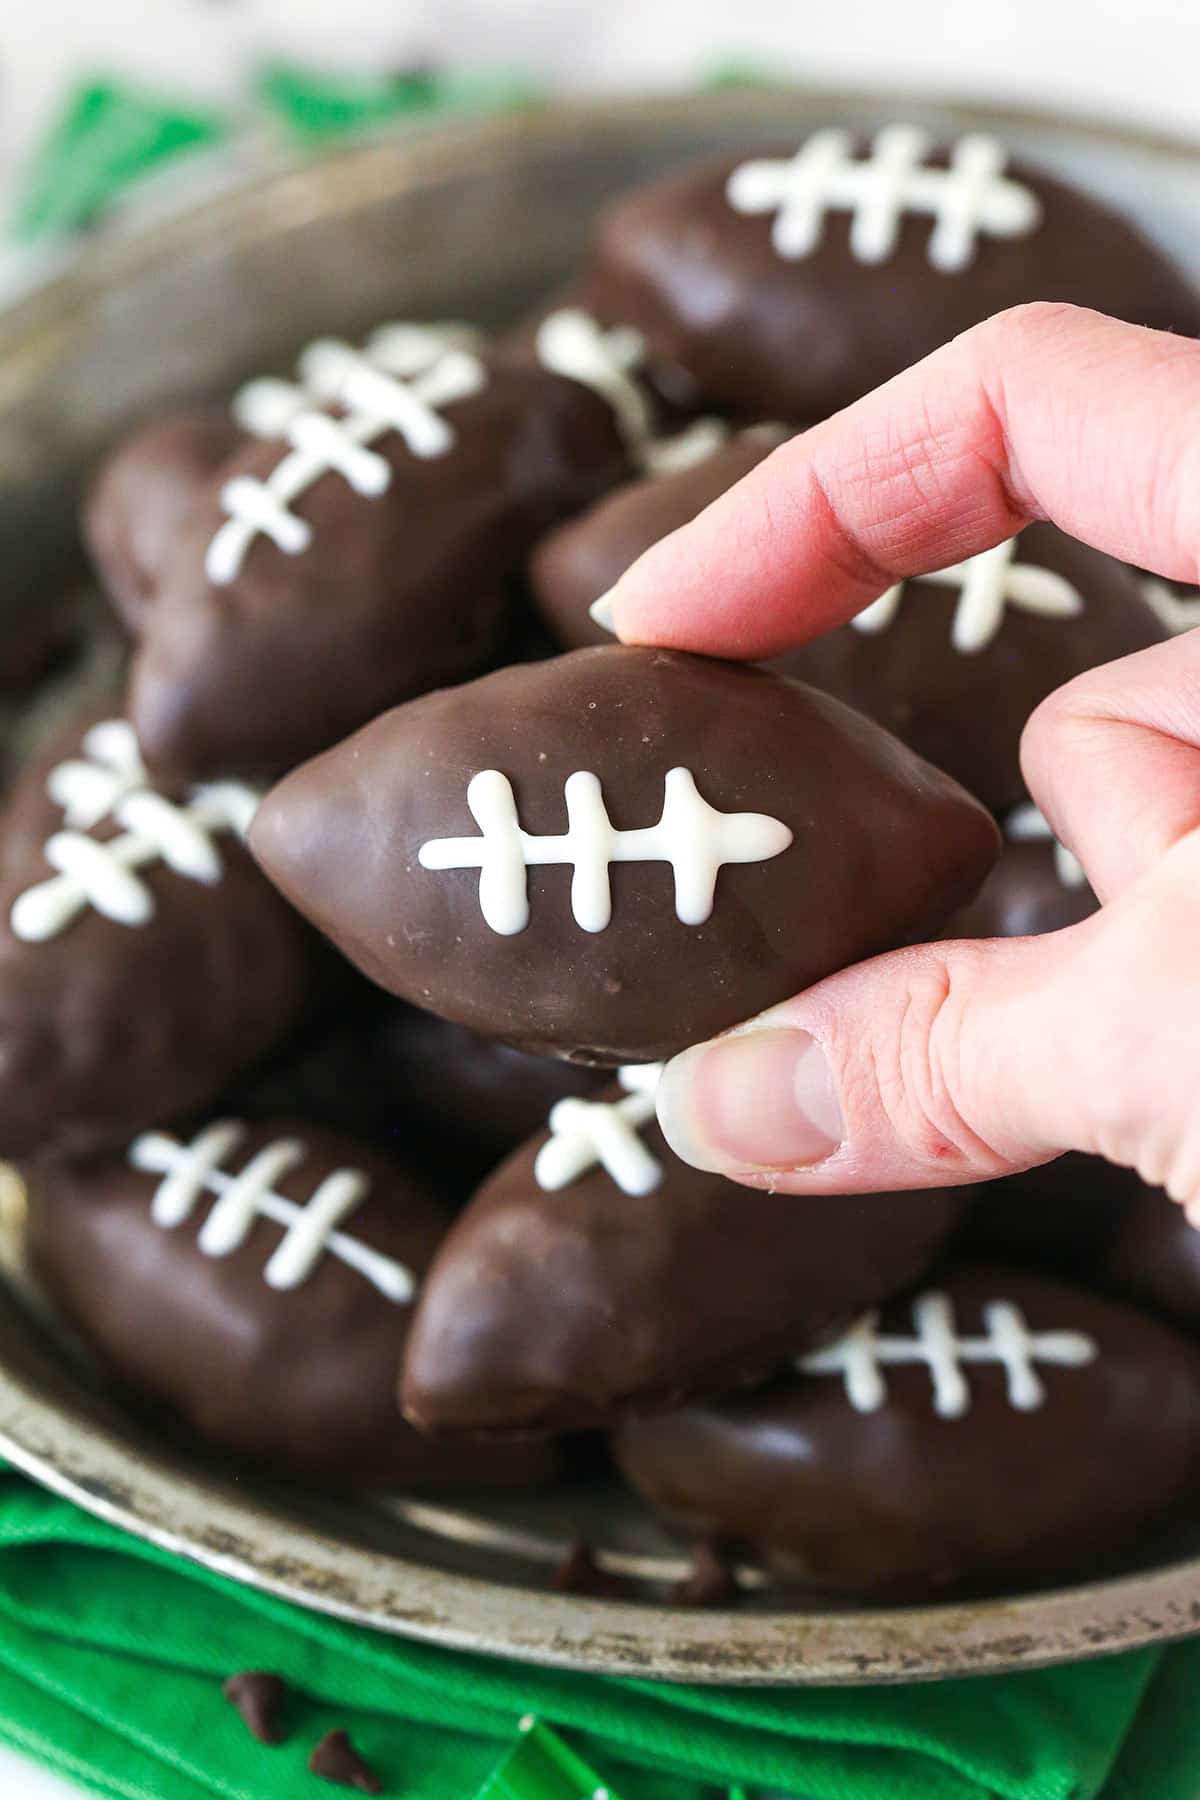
(86, 1463)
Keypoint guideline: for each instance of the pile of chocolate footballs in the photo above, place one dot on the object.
(339, 950)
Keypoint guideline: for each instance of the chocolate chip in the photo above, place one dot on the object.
(259, 1699)
(336, 1759)
(711, 1582)
(580, 1573)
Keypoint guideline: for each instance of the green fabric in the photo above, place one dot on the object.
(112, 1653)
(540, 1766)
(109, 136)
(314, 106)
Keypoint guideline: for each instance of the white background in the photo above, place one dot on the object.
(1099, 57)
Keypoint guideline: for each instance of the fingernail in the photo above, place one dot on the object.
(759, 1100)
(601, 612)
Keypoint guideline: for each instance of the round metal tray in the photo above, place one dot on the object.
(472, 221)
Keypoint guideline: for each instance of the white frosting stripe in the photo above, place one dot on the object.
(970, 199)
(1026, 825)
(571, 343)
(102, 874)
(861, 1355)
(586, 1134)
(694, 837)
(396, 384)
(191, 1171)
(987, 584)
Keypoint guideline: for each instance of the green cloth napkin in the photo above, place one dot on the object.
(112, 1655)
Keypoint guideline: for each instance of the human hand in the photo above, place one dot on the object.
(958, 1062)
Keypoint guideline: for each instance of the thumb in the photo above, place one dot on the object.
(958, 1062)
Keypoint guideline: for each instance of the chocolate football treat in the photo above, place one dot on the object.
(1004, 1429)
(487, 852)
(255, 1282)
(788, 283)
(140, 497)
(362, 552)
(581, 559)
(1037, 886)
(1153, 1258)
(595, 1273)
(954, 662)
(144, 961)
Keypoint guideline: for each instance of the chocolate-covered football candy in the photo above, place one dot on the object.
(140, 497)
(594, 1272)
(955, 662)
(582, 558)
(615, 853)
(361, 553)
(144, 960)
(1036, 886)
(256, 1282)
(1005, 1428)
(789, 282)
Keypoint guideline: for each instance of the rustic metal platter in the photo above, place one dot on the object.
(475, 222)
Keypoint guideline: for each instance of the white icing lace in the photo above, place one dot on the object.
(988, 583)
(1027, 825)
(694, 837)
(396, 383)
(190, 1171)
(571, 343)
(114, 785)
(972, 198)
(585, 1134)
(1178, 612)
(862, 1354)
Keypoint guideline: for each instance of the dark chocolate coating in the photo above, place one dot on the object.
(397, 1074)
(106, 1027)
(903, 1502)
(564, 1309)
(1023, 896)
(582, 558)
(965, 712)
(258, 1698)
(1059, 1217)
(395, 595)
(140, 496)
(1153, 1259)
(797, 340)
(335, 1759)
(300, 1380)
(883, 847)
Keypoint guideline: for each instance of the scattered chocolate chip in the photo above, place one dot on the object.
(580, 1573)
(336, 1759)
(712, 1581)
(259, 1699)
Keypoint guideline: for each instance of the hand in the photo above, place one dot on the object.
(957, 1062)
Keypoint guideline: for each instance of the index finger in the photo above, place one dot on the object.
(1043, 412)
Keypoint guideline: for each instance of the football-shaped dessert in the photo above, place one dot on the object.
(356, 550)
(954, 662)
(1003, 1428)
(1059, 1217)
(787, 282)
(144, 960)
(582, 558)
(595, 1272)
(140, 497)
(256, 1283)
(615, 853)
(1036, 886)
